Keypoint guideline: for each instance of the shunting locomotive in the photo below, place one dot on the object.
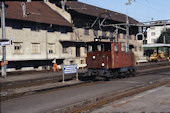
(109, 60)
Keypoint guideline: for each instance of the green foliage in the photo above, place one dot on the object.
(167, 37)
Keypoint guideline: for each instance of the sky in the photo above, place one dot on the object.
(141, 10)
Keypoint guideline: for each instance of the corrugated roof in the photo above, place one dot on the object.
(95, 11)
(37, 11)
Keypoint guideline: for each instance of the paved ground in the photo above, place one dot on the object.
(52, 100)
(153, 101)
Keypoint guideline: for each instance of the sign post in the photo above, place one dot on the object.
(70, 69)
(3, 37)
(63, 78)
(4, 43)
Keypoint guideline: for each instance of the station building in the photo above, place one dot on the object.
(36, 35)
(45, 31)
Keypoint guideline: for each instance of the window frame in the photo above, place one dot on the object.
(37, 49)
(19, 50)
(53, 48)
(65, 49)
(86, 31)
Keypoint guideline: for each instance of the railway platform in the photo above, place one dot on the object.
(26, 76)
(152, 101)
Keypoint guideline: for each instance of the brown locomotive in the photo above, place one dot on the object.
(109, 59)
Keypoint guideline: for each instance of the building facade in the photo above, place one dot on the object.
(36, 35)
(153, 33)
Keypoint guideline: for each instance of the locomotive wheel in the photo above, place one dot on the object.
(107, 78)
(125, 74)
(93, 78)
(115, 75)
(121, 75)
(133, 73)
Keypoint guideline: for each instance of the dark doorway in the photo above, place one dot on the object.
(77, 51)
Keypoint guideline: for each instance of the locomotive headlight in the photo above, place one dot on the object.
(94, 57)
(102, 64)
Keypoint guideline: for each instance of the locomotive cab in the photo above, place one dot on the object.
(109, 59)
(98, 53)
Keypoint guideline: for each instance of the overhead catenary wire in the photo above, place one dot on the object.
(160, 10)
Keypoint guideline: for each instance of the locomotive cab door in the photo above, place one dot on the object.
(116, 55)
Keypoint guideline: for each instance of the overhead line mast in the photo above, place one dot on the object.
(3, 37)
(127, 25)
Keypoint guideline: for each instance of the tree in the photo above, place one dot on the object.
(167, 37)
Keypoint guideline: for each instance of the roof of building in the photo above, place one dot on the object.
(95, 11)
(36, 11)
(156, 45)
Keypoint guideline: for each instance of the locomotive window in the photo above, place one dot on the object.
(94, 48)
(99, 47)
(89, 48)
(103, 47)
(107, 47)
(122, 48)
(116, 48)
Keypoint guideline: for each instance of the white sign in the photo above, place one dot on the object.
(69, 69)
(4, 42)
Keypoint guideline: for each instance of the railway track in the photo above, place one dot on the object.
(152, 65)
(140, 69)
(28, 87)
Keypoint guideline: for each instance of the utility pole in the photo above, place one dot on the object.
(4, 74)
(164, 41)
(127, 34)
(127, 25)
